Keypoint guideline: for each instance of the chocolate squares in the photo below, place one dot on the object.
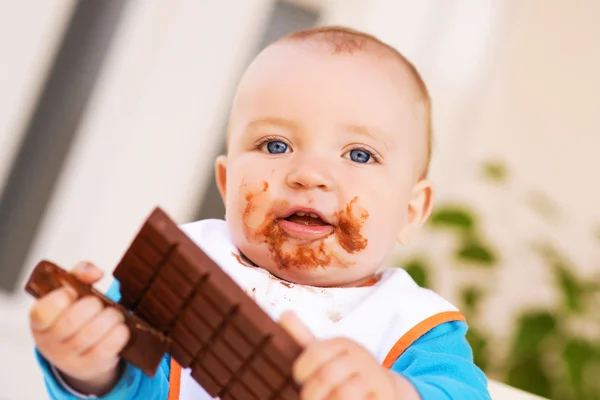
(189, 307)
(233, 348)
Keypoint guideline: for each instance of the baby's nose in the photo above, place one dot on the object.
(313, 175)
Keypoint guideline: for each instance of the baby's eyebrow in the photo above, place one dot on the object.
(367, 132)
(274, 121)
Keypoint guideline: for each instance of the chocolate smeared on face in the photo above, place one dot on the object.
(246, 214)
(311, 255)
(349, 226)
(302, 256)
(251, 207)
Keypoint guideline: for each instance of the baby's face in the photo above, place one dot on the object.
(323, 159)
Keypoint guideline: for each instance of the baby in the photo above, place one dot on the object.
(326, 169)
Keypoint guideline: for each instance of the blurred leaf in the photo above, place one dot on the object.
(590, 387)
(571, 290)
(474, 252)
(529, 375)
(591, 287)
(547, 251)
(598, 233)
(532, 329)
(418, 270)
(578, 355)
(455, 217)
(479, 344)
(525, 369)
(544, 206)
(471, 297)
(495, 171)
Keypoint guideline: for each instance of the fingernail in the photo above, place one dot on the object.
(86, 267)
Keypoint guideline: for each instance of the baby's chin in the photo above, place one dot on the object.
(313, 275)
(321, 277)
(324, 277)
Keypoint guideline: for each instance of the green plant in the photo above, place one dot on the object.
(453, 217)
(545, 355)
(495, 171)
(418, 270)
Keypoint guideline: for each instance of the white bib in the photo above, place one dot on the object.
(384, 318)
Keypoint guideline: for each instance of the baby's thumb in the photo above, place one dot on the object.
(87, 272)
(291, 323)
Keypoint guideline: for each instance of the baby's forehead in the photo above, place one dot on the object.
(318, 81)
(344, 41)
(290, 60)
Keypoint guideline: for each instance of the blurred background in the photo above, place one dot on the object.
(109, 108)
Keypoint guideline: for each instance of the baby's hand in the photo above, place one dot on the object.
(80, 337)
(342, 369)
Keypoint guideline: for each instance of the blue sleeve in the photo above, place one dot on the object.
(133, 384)
(440, 365)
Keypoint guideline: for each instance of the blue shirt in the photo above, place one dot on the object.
(439, 364)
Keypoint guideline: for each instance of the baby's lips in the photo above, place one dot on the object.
(306, 211)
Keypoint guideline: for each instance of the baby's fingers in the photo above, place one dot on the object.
(111, 345)
(295, 327)
(95, 330)
(46, 310)
(71, 321)
(87, 272)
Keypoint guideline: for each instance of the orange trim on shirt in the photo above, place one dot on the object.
(419, 330)
(174, 380)
(370, 283)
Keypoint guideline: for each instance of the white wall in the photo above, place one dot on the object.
(541, 116)
(29, 32)
(542, 109)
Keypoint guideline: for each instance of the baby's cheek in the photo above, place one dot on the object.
(381, 231)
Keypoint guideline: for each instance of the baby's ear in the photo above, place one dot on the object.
(221, 175)
(419, 209)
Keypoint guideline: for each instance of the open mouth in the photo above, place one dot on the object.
(307, 219)
(305, 224)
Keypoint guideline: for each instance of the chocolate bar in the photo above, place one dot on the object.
(234, 349)
(176, 299)
(146, 346)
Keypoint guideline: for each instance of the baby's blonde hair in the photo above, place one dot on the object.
(348, 41)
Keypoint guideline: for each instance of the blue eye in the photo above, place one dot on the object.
(277, 147)
(360, 156)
